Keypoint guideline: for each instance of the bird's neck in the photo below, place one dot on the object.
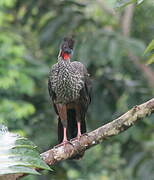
(64, 56)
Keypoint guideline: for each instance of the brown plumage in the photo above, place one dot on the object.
(69, 86)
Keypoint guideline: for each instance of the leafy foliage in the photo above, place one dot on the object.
(18, 154)
(31, 32)
(149, 49)
(15, 78)
(123, 3)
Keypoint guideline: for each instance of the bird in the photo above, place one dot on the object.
(69, 86)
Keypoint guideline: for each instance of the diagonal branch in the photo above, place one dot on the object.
(115, 127)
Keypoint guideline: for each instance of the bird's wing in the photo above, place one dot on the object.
(81, 105)
(52, 73)
(85, 93)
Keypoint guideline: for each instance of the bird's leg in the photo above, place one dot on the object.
(65, 140)
(63, 116)
(79, 130)
(78, 119)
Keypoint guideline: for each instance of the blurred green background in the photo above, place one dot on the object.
(111, 44)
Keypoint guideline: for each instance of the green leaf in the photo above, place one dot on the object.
(16, 110)
(18, 154)
(139, 1)
(123, 3)
(150, 60)
(150, 47)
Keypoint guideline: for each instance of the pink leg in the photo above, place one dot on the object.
(65, 140)
(65, 136)
(79, 130)
(62, 110)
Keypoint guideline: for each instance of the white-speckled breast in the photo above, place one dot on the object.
(66, 82)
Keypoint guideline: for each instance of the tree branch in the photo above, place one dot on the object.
(115, 127)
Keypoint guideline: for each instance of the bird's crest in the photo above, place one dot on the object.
(68, 42)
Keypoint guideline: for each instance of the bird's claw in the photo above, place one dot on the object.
(78, 137)
(64, 143)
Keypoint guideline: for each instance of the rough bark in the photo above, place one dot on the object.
(61, 152)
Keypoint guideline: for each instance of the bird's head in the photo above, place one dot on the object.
(66, 48)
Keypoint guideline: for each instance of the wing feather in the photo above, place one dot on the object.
(52, 73)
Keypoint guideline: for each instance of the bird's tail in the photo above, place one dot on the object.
(71, 126)
(72, 129)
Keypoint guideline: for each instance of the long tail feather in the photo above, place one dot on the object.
(72, 129)
(72, 124)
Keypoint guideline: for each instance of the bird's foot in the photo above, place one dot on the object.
(67, 147)
(64, 143)
(79, 136)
